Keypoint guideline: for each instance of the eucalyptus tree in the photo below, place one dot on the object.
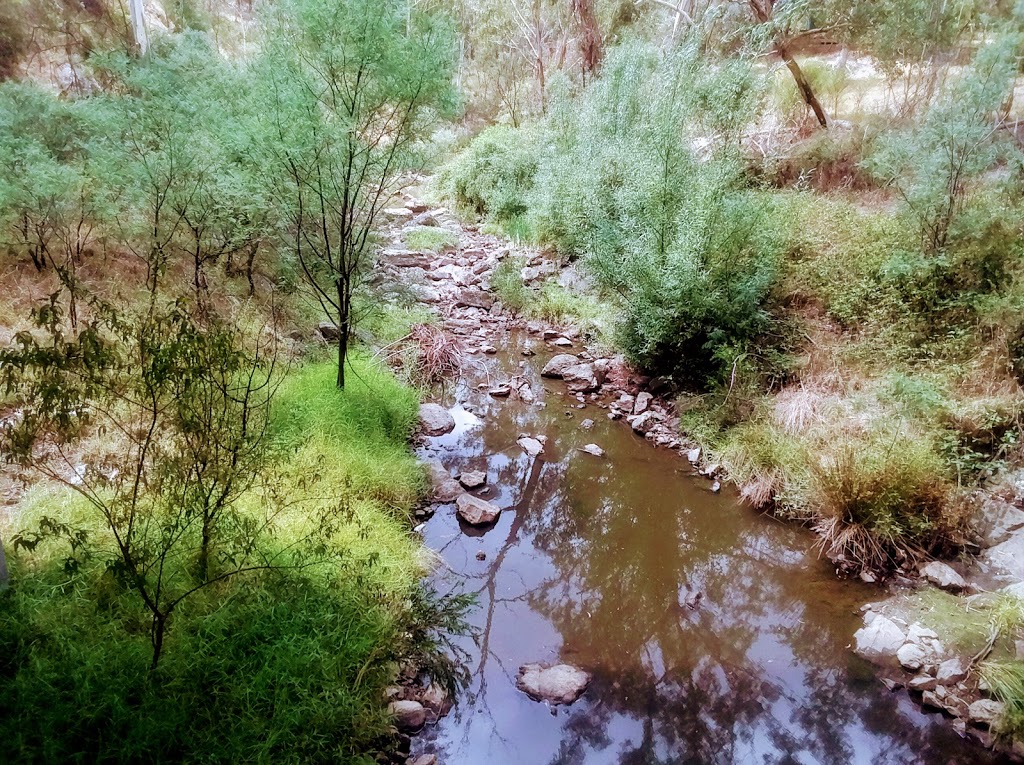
(353, 84)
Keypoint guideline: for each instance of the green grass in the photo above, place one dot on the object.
(431, 239)
(283, 667)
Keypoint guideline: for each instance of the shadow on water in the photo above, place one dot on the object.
(592, 563)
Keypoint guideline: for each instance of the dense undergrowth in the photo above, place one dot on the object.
(290, 667)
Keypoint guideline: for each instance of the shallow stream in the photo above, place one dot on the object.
(588, 564)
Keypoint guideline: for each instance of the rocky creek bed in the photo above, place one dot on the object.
(618, 581)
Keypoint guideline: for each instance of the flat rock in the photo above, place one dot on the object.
(594, 449)
(922, 683)
(409, 716)
(473, 479)
(435, 420)
(558, 684)
(879, 640)
(445, 488)
(562, 342)
(531, 446)
(943, 576)
(475, 299)
(423, 759)
(500, 391)
(476, 511)
(558, 364)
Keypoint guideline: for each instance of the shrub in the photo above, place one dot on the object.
(507, 283)
(493, 175)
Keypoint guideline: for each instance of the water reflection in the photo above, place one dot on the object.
(592, 562)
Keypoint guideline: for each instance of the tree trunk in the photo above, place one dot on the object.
(139, 25)
(803, 85)
(589, 35)
(5, 576)
(158, 630)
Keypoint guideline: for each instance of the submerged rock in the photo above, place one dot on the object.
(409, 716)
(879, 640)
(476, 511)
(558, 684)
(531, 446)
(435, 420)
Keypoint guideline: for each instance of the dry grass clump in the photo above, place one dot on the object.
(885, 497)
(427, 355)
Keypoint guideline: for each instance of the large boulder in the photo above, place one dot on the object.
(445, 488)
(943, 576)
(558, 364)
(580, 378)
(643, 423)
(476, 511)
(409, 716)
(435, 420)
(328, 331)
(996, 521)
(879, 640)
(1007, 558)
(558, 684)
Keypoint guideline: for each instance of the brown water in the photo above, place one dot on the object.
(587, 565)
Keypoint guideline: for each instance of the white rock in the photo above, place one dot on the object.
(951, 671)
(985, 712)
(473, 479)
(943, 576)
(409, 716)
(560, 684)
(531, 446)
(594, 449)
(912, 656)
(880, 640)
(643, 402)
(558, 364)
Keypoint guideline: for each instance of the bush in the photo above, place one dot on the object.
(284, 666)
(493, 175)
(431, 239)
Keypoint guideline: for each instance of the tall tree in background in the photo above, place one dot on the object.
(354, 84)
(589, 32)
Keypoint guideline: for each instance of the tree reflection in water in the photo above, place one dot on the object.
(588, 564)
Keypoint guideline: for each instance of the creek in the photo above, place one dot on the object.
(596, 562)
